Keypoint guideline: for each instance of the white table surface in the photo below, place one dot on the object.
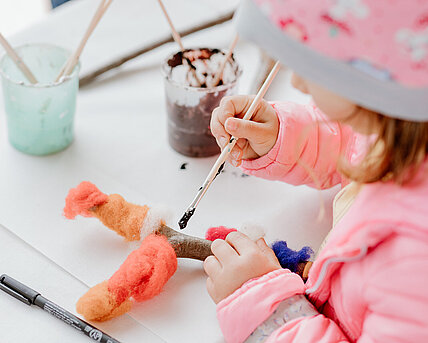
(21, 323)
(121, 146)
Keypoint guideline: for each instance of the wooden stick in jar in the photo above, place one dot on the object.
(229, 53)
(74, 59)
(177, 39)
(174, 32)
(18, 61)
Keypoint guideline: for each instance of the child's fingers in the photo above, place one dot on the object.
(236, 155)
(212, 266)
(241, 143)
(218, 130)
(239, 242)
(234, 106)
(222, 250)
(211, 289)
(231, 106)
(245, 128)
(266, 250)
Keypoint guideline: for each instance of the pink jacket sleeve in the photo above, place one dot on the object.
(394, 295)
(307, 148)
(262, 296)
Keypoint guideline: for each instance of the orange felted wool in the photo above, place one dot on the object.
(142, 276)
(99, 304)
(112, 210)
(121, 216)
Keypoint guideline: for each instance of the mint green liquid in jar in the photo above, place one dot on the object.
(40, 117)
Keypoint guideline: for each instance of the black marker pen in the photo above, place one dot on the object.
(31, 297)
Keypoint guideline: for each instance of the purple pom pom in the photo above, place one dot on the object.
(289, 258)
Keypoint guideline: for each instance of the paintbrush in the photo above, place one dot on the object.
(219, 164)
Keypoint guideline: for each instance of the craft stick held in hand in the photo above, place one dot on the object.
(229, 53)
(18, 61)
(74, 59)
(227, 149)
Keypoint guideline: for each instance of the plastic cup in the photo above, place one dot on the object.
(40, 117)
(189, 111)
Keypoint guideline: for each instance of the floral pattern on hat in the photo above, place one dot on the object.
(387, 39)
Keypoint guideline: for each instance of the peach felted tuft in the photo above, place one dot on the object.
(218, 232)
(121, 216)
(98, 304)
(145, 271)
(81, 199)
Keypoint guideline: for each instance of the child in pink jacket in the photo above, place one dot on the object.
(365, 64)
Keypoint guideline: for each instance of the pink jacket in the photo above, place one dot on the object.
(370, 281)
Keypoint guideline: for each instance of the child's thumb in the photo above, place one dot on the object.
(241, 128)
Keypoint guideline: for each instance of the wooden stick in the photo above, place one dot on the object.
(18, 61)
(174, 32)
(186, 246)
(196, 248)
(218, 165)
(219, 74)
(177, 39)
(93, 75)
(74, 59)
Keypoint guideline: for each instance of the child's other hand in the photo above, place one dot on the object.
(256, 136)
(236, 260)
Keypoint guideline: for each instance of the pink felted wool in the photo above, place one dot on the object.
(218, 232)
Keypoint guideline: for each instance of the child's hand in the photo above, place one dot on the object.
(256, 136)
(236, 260)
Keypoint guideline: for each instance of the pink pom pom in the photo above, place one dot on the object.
(219, 232)
(82, 198)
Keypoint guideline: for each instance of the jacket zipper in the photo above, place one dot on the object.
(323, 273)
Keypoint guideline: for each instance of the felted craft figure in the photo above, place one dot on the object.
(365, 65)
(147, 269)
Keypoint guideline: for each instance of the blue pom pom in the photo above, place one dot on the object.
(289, 258)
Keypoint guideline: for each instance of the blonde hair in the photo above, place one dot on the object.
(398, 151)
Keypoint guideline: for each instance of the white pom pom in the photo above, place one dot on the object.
(154, 217)
(252, 230)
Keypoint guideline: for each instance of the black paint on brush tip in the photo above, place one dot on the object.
(185, 219)
(220, 170)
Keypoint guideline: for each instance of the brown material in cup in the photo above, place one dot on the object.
(189, 108)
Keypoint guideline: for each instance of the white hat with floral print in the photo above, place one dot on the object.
(373, 52)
